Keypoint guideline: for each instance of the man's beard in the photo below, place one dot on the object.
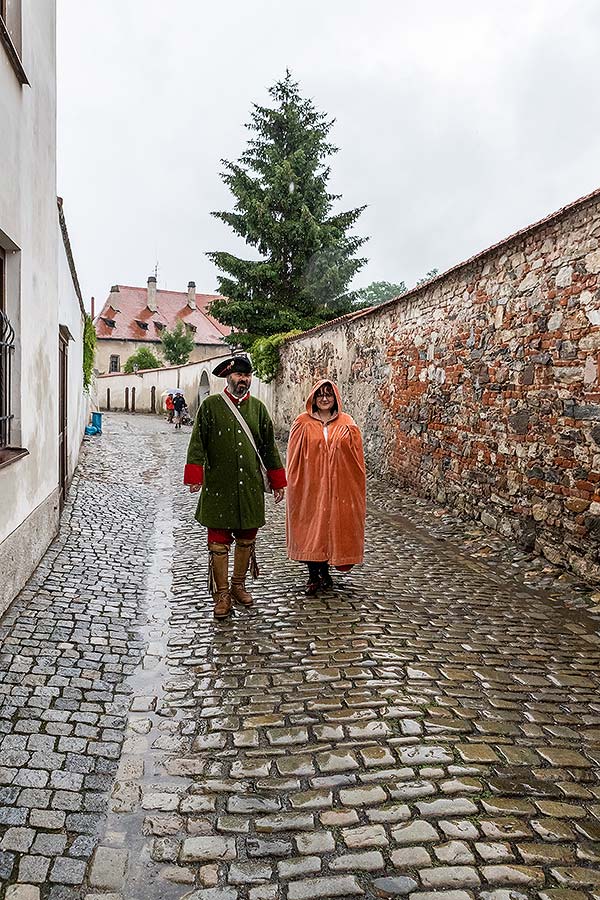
(239, 389)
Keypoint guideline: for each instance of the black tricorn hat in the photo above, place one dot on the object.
(239, 362)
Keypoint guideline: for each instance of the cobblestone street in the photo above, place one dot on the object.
(429, 729)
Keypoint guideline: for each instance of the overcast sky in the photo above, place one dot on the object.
(458, 123)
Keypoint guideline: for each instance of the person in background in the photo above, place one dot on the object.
(169, 407)
(224, 462)
(179, 405)
(326, 502)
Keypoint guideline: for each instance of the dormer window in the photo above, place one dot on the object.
(159, 325)
(110, 322)
(190, 327)
(141, 324)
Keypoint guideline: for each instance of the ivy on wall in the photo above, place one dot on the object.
(265, 354)
(89, 346)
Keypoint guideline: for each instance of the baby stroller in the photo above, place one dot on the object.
(186, 419)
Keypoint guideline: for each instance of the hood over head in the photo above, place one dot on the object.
(315, 388)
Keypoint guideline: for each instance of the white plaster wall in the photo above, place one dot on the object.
(28, 216)
(184, 378)
(69, 314)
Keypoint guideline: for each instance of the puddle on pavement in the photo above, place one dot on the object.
(150, 720)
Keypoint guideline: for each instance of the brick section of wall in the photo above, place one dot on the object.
(482, 388)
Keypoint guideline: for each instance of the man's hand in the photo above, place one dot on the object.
(279, 494)
(194, 488)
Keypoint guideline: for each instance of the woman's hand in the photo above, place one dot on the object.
(194, 488)
(278, 494)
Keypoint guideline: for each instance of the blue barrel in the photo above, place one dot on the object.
(97, 421)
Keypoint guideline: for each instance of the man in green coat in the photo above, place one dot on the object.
(223, 463)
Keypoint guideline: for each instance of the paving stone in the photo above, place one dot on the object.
(109, 867)
(440, 895)
(365, 836)
(22, 892)
(318, 842)
(215, 893)
(207, 848)
(449, 877)
(7, 864)
(49, 844)
(560, 810)
(507, 874)
(33, 869)
(503, 894)
(394, 886)
(257, 847)
(557, 756)
(249, 873)
(477, 753)
(264, 892)
(494, 851)
(19, 839)
(454, 853)
(576, 876)
(545, 853)
(415, 832)
(285, 822)
(67, 871)
(371, 861)
(410, 858)
(437, 808)
(336, 761)
(424, 754)
(296, 867)
(339, 817)
(393, 812)
(332, 886)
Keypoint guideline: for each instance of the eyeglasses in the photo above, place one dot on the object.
(324, 392)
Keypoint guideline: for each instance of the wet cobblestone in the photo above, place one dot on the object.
(429, 729)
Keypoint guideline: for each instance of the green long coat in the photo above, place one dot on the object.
(232, 491)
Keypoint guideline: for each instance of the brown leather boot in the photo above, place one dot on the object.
(242, 559)
(218, 579)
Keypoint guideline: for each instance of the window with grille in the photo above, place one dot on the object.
(10, 10)
(11, 35)
(7, 349)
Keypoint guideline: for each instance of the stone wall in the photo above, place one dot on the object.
(481, 389)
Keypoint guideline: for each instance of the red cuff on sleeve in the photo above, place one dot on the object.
(277, 478)
(193, 474)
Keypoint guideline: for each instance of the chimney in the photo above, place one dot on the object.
(191, 295)
(114, 296)
(151, 304)
(93, 309)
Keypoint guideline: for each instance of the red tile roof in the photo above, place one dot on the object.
(172, 305)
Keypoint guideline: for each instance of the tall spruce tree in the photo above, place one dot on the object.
(284, 211)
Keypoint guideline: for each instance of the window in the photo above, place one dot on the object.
(115, 364)
(11, 36)
(7, 349)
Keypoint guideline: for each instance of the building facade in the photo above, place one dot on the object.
(42, 406)
(135, 317)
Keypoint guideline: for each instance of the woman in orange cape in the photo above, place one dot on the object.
(326, 488)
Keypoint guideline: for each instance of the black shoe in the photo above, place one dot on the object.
(324, 577)
(314, 582)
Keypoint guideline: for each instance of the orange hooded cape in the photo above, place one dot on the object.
(326, 487)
